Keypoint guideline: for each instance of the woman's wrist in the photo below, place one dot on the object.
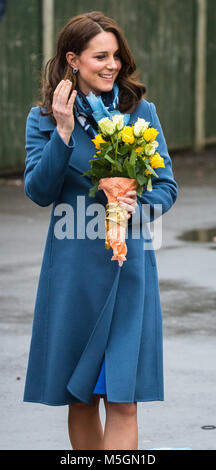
(65, 135)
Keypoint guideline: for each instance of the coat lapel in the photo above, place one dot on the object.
(46, 125)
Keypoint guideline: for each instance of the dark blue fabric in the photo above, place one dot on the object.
(100, 386)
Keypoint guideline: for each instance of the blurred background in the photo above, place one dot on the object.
(174, 45)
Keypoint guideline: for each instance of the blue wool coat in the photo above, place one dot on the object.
(87, 307)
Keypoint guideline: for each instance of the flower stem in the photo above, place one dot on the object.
(116, 150)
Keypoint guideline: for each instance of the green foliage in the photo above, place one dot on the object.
(117, 157)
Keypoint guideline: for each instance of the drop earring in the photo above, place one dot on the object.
(75, 70)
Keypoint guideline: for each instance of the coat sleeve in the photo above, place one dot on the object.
(164, 189)
(46, 161)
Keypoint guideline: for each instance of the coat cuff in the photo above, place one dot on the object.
(71, 143)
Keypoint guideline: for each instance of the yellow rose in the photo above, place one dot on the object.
(127, 135)
(139, 149)
(98, 140)
(150, 134)
(157, 161)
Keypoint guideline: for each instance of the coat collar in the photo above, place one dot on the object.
(45, 124)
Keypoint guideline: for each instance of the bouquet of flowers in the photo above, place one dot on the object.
(125, 160)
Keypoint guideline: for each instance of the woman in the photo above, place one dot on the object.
(97, 329)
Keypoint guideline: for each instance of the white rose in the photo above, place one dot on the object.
(150, 148)
(106, 126)
(140, 126)
(118, 120)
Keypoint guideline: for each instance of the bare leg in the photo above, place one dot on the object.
(121, 430)
(84, 425)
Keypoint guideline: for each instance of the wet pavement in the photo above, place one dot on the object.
(186, 267)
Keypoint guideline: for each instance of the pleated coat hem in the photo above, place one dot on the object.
(43, 402)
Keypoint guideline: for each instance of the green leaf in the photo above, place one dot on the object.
(126, 161)
(123, 150)
(99, 163)
(86, 173)
(118, 166)
(151, 170)
(107, 157)
(131, 170)
(93, 190)
(107, 147)
(149, 184)
(142, 179)
(94, 160)
(148, 167)
(133, 157)
(139, 190)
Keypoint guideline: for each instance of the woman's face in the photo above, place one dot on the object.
(99, 64)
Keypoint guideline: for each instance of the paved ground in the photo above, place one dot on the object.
(187, 282)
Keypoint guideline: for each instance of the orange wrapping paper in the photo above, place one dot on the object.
(116, 216)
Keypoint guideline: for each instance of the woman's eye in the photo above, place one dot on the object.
(102, 56)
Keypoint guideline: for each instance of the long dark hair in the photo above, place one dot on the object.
(74, 37)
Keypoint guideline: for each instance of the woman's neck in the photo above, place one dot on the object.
(86, 94)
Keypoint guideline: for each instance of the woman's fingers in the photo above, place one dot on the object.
(72, 98)
(131, 193)
(56, 92)
(62, 106)
(62, 96)
(128, 201)
(129, 207)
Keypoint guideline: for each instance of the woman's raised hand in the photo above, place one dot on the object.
(63, 109)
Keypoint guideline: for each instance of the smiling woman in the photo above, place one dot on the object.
(97, 73)
(94, 45)
(97, 328)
